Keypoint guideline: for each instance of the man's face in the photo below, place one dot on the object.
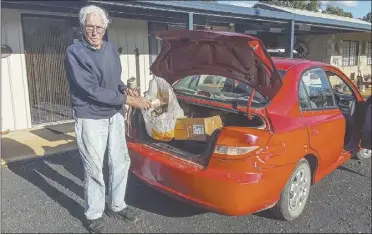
(94, 30)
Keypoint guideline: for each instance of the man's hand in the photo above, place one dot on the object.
(138, 102)
(132, 92)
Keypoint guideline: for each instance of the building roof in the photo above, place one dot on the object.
(311, 13)
(224, 10)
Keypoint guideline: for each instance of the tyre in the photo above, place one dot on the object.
(295, 194)
(363, 154)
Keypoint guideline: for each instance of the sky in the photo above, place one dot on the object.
(357, 8)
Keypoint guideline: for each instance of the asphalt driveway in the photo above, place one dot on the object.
(46, 196)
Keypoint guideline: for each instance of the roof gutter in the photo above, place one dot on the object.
(164, 7)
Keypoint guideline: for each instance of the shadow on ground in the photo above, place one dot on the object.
(11, 144)
(141, 196)
(58, 132)
(351, 171)
(37, 171)
(62, 168)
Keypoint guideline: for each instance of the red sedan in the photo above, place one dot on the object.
(286, 125)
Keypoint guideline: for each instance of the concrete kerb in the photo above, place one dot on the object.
(32, 157)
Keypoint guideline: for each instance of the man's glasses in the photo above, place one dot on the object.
(98, 29)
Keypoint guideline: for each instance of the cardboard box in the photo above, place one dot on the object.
(196, 128)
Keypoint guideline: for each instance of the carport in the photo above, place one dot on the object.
(264, 21)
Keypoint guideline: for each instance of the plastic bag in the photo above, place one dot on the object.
(160, 126)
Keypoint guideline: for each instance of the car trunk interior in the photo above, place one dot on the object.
(192, 149)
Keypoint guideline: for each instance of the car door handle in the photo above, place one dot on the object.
(314, 132)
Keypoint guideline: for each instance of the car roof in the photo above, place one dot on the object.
(285, 64)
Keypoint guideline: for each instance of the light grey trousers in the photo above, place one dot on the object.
(93, 137)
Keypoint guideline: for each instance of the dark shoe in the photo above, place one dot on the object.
(94, 226)
(126, 214)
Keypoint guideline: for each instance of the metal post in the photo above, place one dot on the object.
(291, 42)
(191, 21)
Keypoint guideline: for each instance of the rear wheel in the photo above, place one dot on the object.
(295, 194)
(363, 154)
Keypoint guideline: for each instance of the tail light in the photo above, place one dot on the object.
(234, 151)
(238, 142)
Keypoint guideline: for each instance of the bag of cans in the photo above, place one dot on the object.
(160, 120)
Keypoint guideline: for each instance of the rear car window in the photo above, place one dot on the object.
(219, 88)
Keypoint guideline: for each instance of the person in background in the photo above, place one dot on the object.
(367, 130)
(98, 99)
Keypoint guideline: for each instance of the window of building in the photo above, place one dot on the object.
(349, 53)
(369, 53)
(318, 90)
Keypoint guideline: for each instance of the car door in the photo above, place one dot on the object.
(324, 120)
(356, 110)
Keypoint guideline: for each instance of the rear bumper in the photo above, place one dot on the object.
(217, 190)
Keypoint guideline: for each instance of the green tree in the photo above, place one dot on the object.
(368, 17)
(278, 3)
(312, 5)
(337, 11)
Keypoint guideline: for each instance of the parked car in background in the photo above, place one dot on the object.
(285, 125)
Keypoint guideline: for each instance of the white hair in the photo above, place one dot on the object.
(92, 9)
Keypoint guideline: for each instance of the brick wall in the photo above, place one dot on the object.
(320, 47)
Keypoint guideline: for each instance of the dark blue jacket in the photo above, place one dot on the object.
(94, 78)
(366, 137)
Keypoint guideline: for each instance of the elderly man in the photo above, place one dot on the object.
(98, 96)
